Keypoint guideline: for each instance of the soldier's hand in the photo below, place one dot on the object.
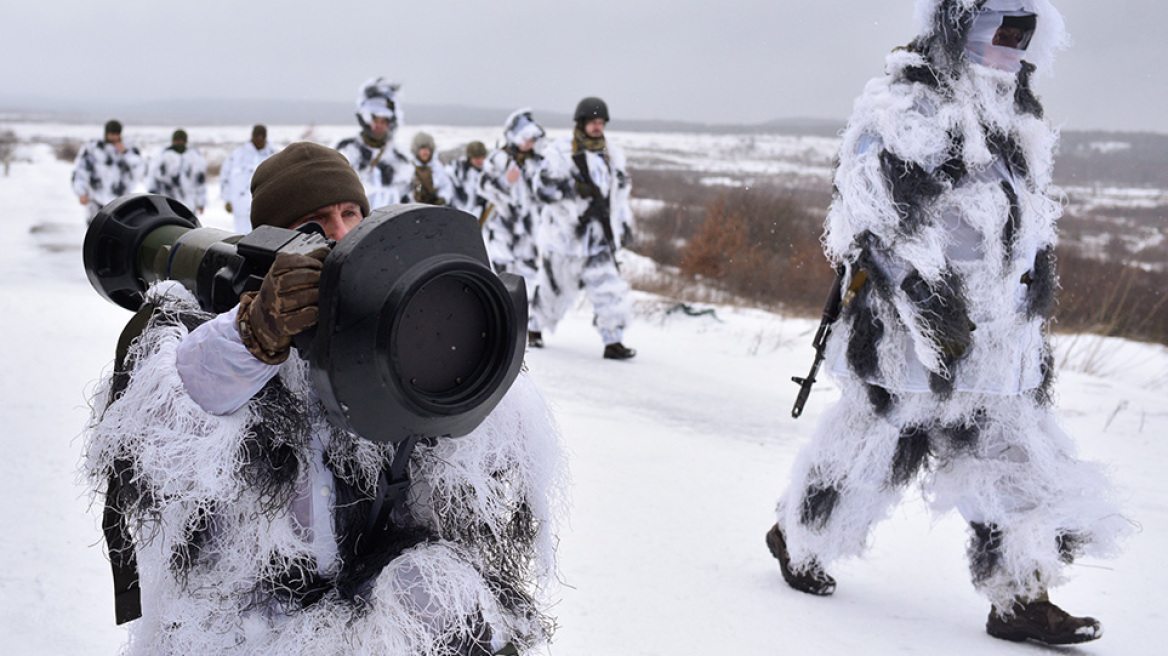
(286, 304)
(229, 207)
(84, 199)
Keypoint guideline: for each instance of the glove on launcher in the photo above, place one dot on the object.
(285, 306)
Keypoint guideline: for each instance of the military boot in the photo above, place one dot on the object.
(618, 351)
(1042, 621)
(535, 339)
(813, 580)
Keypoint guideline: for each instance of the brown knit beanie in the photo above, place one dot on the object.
(299, 179)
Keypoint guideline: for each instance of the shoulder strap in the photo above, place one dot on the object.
(119, 543)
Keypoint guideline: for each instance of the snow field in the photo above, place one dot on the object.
(677, 459)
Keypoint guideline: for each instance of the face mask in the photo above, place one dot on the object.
(998, 39)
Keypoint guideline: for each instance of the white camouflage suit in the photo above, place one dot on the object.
(103, 174)
(466, 187)
(181, 176)
(235, 181)
(574, 252)
(385, 171)
(514, 208)
(944, 203)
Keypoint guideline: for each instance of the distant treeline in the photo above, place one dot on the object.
(1125, 159)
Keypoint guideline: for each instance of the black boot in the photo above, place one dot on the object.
(534, 339)
(618, 351)
(812, 581)
(1042, 621)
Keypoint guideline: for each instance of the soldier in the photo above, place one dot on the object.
(465, 173)
(384, 170)
(235, 176)
(944, 227)
(259, 526)
(511, 186)
(105, 169)
(180, 172)
(586, 221)
(431, 181)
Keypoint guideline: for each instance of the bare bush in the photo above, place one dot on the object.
(7, 149)
(66, 149)
(764, 246)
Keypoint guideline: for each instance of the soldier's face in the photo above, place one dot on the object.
(380, 125)
(594, 128)
(477, 162)
(115, 139)
(337, 220)
(259, 142)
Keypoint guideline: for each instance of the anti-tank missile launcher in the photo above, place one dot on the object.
(417, 335)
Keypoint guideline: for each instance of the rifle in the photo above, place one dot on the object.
(831, 312)
(598, 204)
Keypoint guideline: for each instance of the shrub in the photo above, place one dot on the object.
(66, 149)
(761, 245)
(7, 148)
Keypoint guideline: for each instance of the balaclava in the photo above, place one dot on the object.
(952, 33)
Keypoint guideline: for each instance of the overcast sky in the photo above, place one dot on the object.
(723, 61)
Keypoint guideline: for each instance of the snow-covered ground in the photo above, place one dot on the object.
(677, 459)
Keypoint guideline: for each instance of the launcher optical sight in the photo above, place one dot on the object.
(417, 335)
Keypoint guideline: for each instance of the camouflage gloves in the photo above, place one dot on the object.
(285, 305)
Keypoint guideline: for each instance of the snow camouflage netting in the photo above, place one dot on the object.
(943, 200)
(226, 570)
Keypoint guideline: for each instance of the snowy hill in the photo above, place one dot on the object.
(677, 459)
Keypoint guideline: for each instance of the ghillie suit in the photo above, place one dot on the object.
(252, 528)
(942, 203)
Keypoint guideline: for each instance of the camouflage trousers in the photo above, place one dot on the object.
(562, 277)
